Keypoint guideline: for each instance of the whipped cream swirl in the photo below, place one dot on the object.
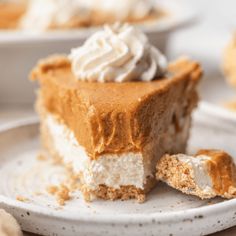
(44, 14)
(117, 54)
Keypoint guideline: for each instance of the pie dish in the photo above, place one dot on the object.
(111, 134)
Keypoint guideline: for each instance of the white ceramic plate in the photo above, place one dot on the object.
(166, 211)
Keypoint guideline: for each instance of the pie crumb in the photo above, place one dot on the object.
(52, 189)
(22, 199)
(62, 193)
(41, 157)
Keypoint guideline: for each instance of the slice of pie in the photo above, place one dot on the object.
(111, 134)
(207, 174)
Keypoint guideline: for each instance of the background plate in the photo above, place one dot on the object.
(165, 212)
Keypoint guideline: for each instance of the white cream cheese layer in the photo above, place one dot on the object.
(113, 170)
(117, 54)
(200, 170)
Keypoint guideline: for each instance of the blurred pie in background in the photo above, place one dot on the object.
(42, 15)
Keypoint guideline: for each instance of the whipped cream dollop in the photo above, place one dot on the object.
(8, 225)
(117, 54)
(44, 14)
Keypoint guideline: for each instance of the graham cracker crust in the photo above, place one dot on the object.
(124, 192)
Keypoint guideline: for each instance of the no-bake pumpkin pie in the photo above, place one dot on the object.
(112, 108)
